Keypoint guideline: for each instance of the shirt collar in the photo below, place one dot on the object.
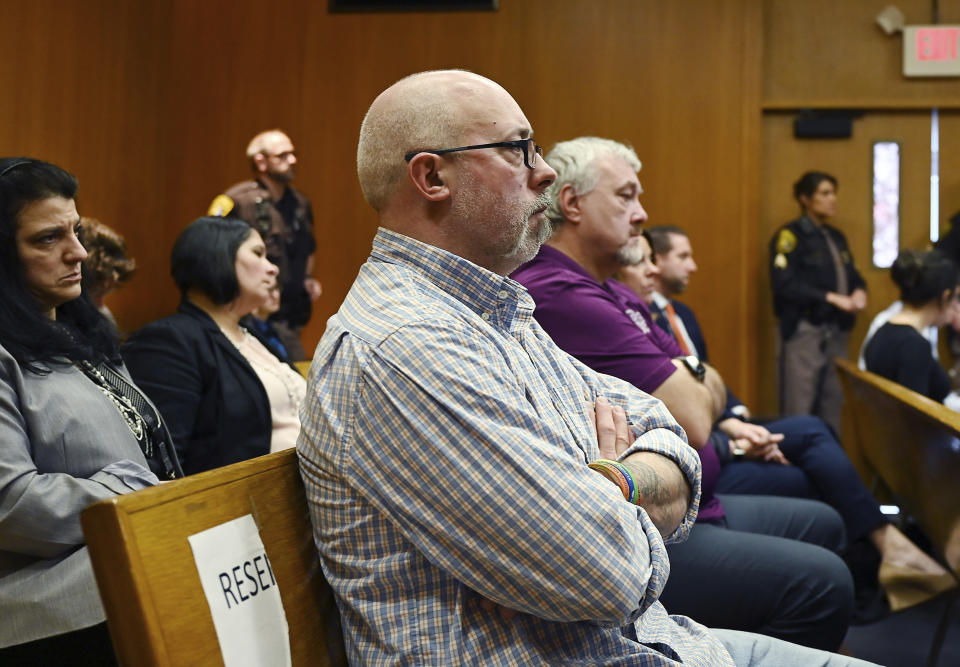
(660, 300)
(496, 299)
(286, 189)
(558, 256)
(808, 226)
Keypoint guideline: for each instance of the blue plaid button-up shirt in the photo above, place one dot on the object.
(444, 450)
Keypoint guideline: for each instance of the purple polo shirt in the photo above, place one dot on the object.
(609, 328)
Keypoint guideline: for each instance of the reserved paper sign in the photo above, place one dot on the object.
(242, 592)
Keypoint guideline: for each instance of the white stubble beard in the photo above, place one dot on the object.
(631, 253)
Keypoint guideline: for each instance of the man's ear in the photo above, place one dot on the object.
(426, 172)
(260, 162)
(569, 202)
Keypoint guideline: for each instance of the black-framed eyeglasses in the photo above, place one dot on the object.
(529, 148)
(285, 155)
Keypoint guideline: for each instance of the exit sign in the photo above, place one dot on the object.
(931, 50)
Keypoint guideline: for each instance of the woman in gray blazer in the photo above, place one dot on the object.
(73, 427)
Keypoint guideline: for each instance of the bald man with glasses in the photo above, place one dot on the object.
(478, 496)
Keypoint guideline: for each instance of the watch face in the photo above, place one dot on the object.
(695, 367)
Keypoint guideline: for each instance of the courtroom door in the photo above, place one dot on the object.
(785, 158)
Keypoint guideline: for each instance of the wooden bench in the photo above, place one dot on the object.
(156, 609)
(912, 445)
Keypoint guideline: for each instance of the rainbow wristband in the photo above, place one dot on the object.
(615, 476)
(634, 487)
(630, 488)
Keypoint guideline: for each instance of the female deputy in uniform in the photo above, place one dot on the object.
(73, 428)
(817, 292)
(226, 397)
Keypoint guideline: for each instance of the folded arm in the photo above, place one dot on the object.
(695, 405)
(488, 484)
(665, 491)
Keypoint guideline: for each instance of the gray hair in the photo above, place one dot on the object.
(573, 161)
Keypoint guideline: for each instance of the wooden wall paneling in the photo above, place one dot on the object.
(371, 52)
(824, 53)
(633, 71)
(155, 101)
(751, 275)
(849, 160)
(949, 190)
(949, 166)
(81, 82)
(138, 158)
(235, 69)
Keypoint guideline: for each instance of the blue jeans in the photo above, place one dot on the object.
(749, 650)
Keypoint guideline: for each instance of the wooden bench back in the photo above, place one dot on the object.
(148, 580)
(913, 445)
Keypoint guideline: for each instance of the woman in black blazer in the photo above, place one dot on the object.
(215, 401)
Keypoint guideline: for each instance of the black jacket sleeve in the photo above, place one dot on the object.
(165, 366)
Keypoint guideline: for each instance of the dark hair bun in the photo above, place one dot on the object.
(923, 276)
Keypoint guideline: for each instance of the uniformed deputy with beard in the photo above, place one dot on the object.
(283, 216)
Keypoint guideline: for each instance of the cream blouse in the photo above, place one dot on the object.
(285, 389)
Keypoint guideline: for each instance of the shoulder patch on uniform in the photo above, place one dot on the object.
(780, 261)
(221, 206)
(786, 241)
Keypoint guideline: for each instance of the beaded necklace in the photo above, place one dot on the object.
(134, 419)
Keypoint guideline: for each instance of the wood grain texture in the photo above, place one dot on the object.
(152, 104)
(85, 87)
(824, 53)
(913, 444)
(849, 160)
(156, 608)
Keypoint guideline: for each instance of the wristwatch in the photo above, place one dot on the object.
(695, 366)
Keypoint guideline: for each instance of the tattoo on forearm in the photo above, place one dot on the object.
(665, 492)
(652, 488)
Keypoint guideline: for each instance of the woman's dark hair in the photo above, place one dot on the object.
(80, 332)
(923, 276)
(809, 182)
(204, 257)
(645, 233)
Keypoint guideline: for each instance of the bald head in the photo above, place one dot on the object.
(272, 157)
(425, 110)
(263, 142)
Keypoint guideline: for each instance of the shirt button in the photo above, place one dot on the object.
(485, 317)
(503, 294)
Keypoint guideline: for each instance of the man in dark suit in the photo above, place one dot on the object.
(673, 257)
